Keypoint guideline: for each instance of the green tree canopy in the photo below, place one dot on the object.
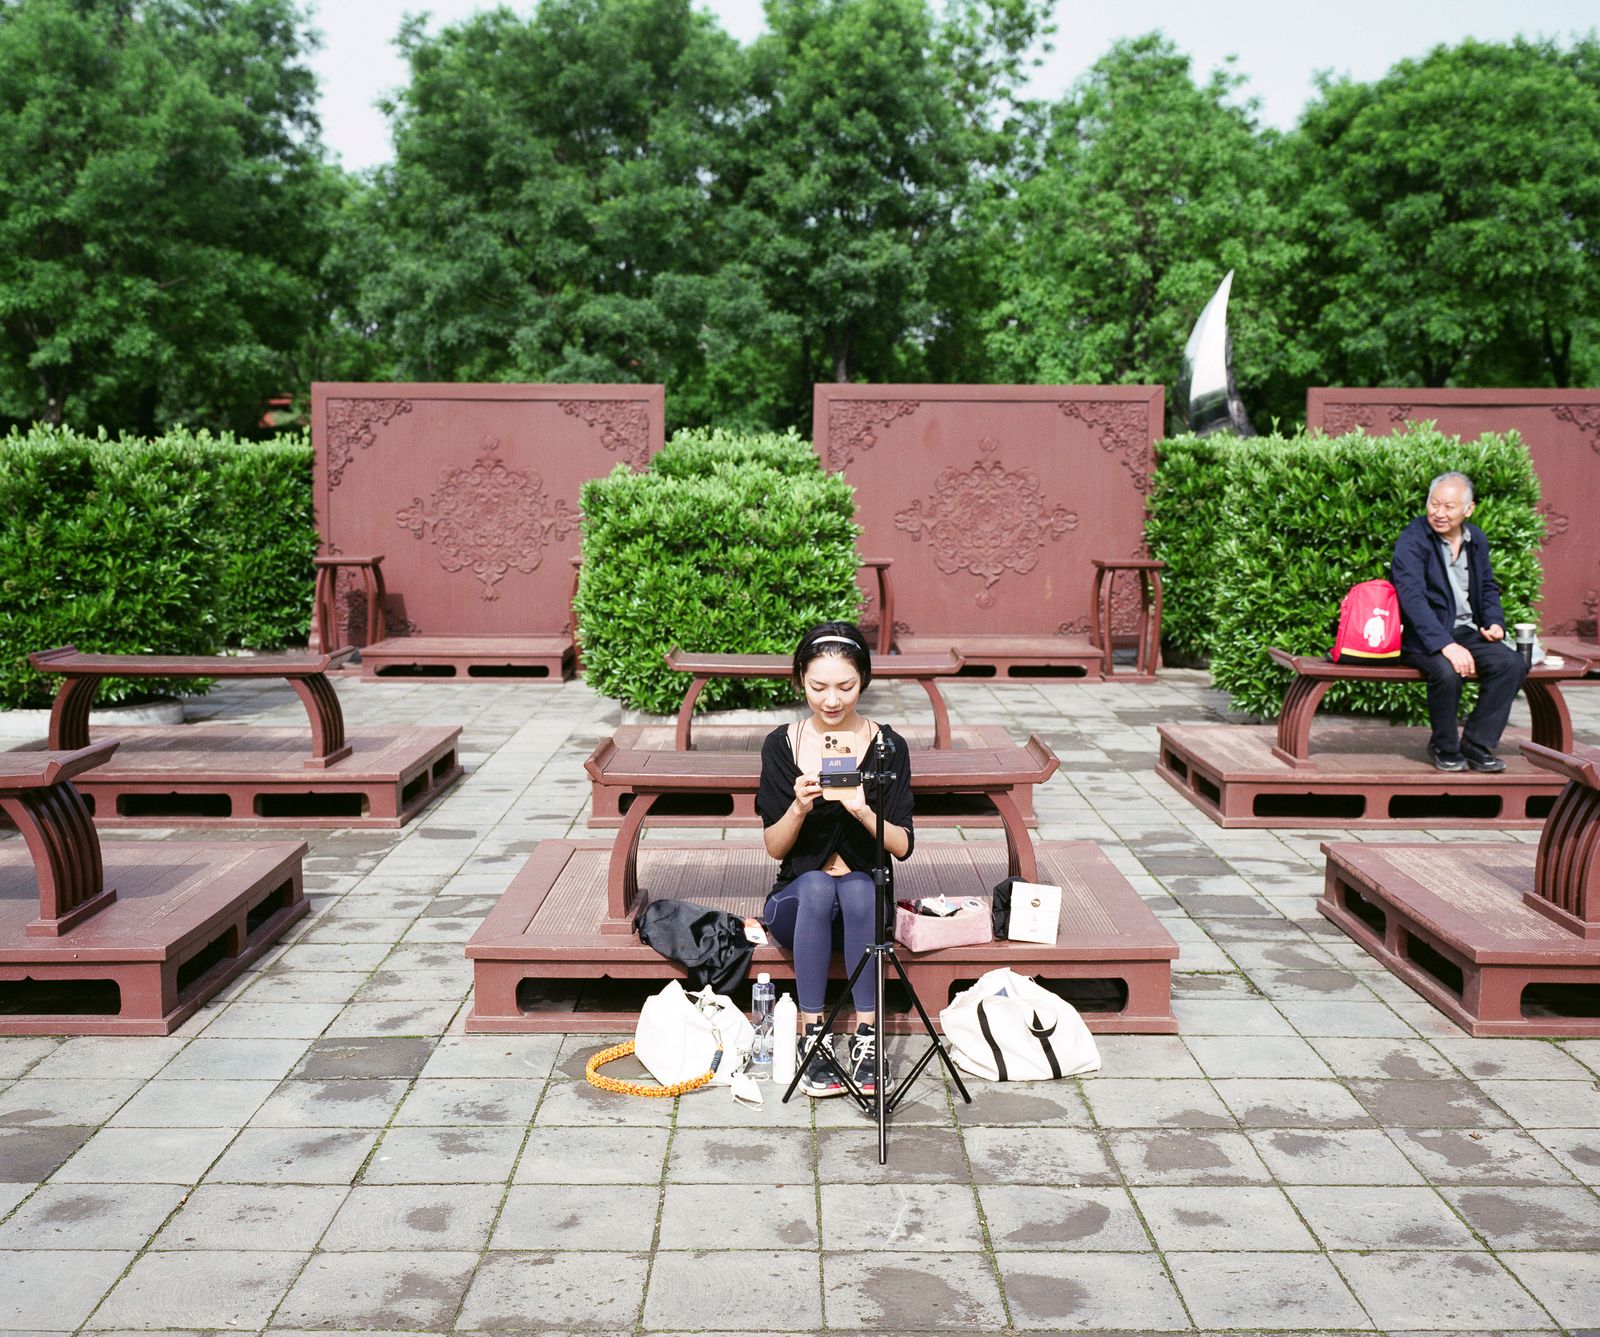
(1149, 188)
(161, 197)
(1454, 211)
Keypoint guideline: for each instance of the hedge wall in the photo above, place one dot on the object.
(184, 544)
(718, 552)
(1301, 520)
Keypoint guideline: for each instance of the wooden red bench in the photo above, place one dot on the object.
(923, 669)
(995, 773)
(252, 775)
(1503, 939)
(1552, 721)
(125, 939)
(326, 625)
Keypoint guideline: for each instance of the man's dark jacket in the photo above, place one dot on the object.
(1427, 599)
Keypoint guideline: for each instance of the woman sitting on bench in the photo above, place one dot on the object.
(826, 839)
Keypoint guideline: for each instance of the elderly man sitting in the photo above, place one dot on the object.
(1455, 627)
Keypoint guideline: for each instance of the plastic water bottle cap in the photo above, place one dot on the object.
(763, 978)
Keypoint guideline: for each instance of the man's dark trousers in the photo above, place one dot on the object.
(1500, 675)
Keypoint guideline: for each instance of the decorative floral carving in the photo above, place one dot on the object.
(1555, 523)
(354, 423)
(1585, 417)
(624, 426)
(1124, 430)
(986, 520)
(1078, 626)
(489, 518)
(853, 425)
(1339, 419)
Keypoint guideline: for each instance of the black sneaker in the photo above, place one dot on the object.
(864, 1062)
(1479, 758)
(819, 1077)
(1446, 761)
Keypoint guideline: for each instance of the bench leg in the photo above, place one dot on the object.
(69, 713)
(622, 873)
(327, 719)
(941, 713)
(1020, 861)
(680, 739)
(1294, 720)
(56, 827)
(1552, 721)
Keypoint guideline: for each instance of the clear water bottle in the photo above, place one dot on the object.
(762, 998)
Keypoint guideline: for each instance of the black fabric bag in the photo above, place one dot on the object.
(709, 944)
(1000, 907)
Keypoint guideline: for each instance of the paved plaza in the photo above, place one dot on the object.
(323, 1148)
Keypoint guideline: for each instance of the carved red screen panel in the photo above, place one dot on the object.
(992, 500)
(1562, 432)
(470, 492)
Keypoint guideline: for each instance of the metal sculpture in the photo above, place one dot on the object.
(1208, 385)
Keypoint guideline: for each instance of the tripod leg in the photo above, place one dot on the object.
(927, 1025)
(827, 1029)
(880, 1097)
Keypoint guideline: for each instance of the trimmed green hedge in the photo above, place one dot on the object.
(1301, 520)
(696, 452)
(716, 555)
(183, 544)
(1182, 529)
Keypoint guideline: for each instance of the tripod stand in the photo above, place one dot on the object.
(879, 955)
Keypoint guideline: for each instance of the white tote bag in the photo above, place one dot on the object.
(679, 1034)
(1009, 1028)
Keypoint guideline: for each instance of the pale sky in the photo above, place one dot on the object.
(1280, 44)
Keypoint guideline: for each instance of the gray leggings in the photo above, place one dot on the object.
(813, 916)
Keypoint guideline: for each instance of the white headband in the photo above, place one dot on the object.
(838, 640)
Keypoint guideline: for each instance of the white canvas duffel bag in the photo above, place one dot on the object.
(1009, 1028)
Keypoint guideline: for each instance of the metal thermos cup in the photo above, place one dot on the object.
(1525, 632)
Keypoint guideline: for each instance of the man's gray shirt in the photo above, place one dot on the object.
(1457, 567)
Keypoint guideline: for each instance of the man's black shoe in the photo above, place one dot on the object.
(1446, 761)
(1480, 758)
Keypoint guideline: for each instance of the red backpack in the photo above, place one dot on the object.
(1369, 623)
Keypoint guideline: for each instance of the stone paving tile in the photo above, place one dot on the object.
(1488, 1156)
(415, 1290)
(577, 1104)
(444, 1156)
(295, 1155)
(1461, 1291)
(1382, 1058)
(1222, 1219)
(22, 1053)
(1509, 1058)
(1267, 1056)
(1073, 1291)
(120, 1216)
(490, 1055)
(1443, 1103)
(1027, 1218)
(1352, 1156)
(420, 1018)
(1180, 1156)
(34, 1154)
(1265, 1290)
(199, 1289)
(1229, 1016)
(101, 1057)
(42, 1101)
(1291, 1103)
(1146, 1056)
(1153, 1103)
(354, 1102)
(413, 1217)
(1530, 1218)
(395, 1056)
(193, 1103)
(521, 1292)
(252, 1217)
(749, 1216)
(55, 1291)
(11, 1193)
(744, 1156)
(1576, 1148)
(1566, 1284)
(145, 1156)
(323, 986)
(471, 1101)
(239, 1060)
(1380, 1218)
(1025, 1105)
(1545, 1104)
(916, 1156)
(578, 1218)
(1344, 1017)
(907, 1290)
(594, 1156)
(272, 1020)
(1048, 1156)
(715, 1107)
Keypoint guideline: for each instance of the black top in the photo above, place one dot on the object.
(828, 829)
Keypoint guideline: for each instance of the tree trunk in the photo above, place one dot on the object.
(841, 359)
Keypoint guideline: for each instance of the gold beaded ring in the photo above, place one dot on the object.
(591, 1072)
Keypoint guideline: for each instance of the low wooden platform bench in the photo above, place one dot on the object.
(130, 938)
(1552, 721)
(378, 776)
